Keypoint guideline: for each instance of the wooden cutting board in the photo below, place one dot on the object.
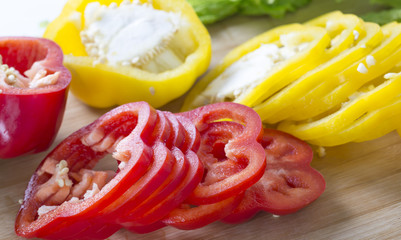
(363, 195)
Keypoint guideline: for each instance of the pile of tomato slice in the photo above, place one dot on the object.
(183, 170)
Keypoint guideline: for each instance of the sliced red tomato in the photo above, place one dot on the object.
(289, 182)
(21, 130)
(76, 152)
(242, 152)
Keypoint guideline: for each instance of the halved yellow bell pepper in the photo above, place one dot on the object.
(304, 91)
(101, 84)
(312, 42)
(366, 100)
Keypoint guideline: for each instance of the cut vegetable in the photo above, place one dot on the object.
(151, 51)
(33, 82)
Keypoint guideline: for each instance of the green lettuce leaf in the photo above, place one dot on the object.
(384, 16)
(390, 3)
(210, 11)
(273, 8)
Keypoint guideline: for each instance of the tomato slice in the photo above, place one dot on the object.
(289, 183)
(76, 151)
(243, 151)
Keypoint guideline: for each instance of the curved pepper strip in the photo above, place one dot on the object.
(280, 75)
(92, 83)
(241, 150)
(188, 218)
(360, 104)
(160, 170)
(366, 128)
(343, 29)
(289, 183)
(385, 56)
(179, 185)
(21, 130)
(302, 91)
(167, 197)
(77, 150)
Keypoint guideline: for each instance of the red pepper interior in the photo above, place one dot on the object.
(22, 54)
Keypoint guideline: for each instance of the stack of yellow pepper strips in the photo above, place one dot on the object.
(101, 84)
(349, 94)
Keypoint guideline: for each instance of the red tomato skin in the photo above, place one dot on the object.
(31, 118)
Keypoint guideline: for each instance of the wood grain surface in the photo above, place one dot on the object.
(363, 195)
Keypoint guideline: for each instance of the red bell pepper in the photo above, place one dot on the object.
(187, 217)
(289, 183)
(132, 127)
(160, 176)
(176, 190)
(242, 151)
(30, 112)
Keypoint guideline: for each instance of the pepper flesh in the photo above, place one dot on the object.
(334, 91)
(311, 42)
(368, 99)
(282, 105)
(92, 79)
(366, 128)
(21, 130)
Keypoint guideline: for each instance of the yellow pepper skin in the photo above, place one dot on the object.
(104, 85)
(366, 128)
(332, 93)
(369, 100)
(295, 67)
(343, 29)
(309, 89)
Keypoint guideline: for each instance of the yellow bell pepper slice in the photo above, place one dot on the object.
(367, 128)
(102, 84)
(371, 125)
(302, 92)
(343, 29)
(311, 43)
(368, 99)
(331, 93)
